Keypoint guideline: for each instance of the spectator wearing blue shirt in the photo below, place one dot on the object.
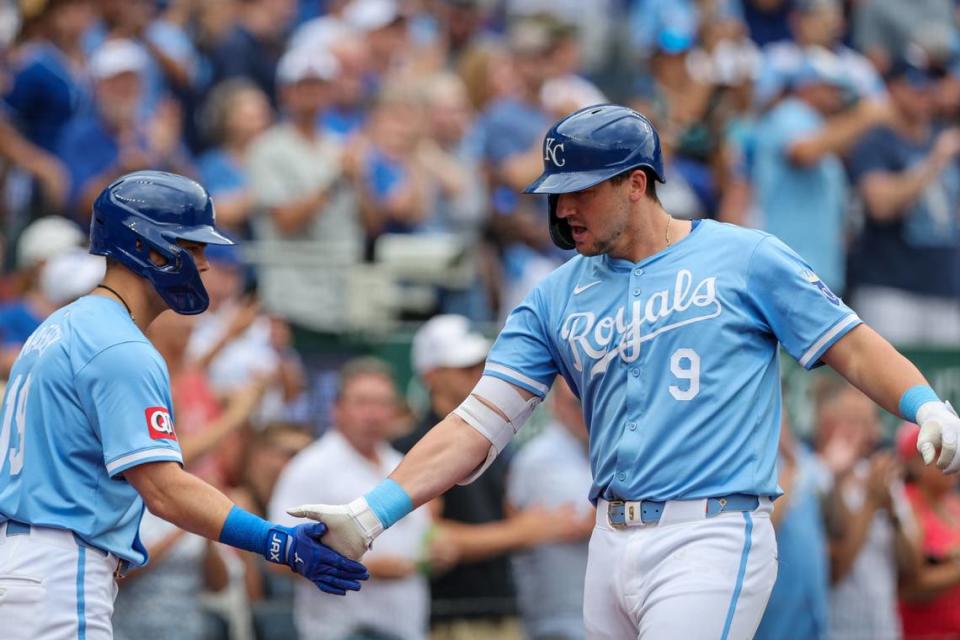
(48, 86)
(114, 140)
(905, 264)
(512, 127)
(814, 24)
(396, 184)
(767, 20)
(799, 180)
(650, 18)
(171, 66)
(253, 46)
(236, 112)
(799, 603)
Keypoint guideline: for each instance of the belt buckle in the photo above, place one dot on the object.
(616, 514)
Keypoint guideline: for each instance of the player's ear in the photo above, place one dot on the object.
(638, 184)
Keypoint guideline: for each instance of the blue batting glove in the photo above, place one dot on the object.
(300, 549)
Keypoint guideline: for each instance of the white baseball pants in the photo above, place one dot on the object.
(52, 588)
(686, 576)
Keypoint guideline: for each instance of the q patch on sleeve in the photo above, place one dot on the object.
(160, 424)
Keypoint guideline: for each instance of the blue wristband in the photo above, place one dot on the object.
(389, 502)
(913, 398)
(246, 531)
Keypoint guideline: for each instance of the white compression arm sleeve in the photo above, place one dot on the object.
(477, 412)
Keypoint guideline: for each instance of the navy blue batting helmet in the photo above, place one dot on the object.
(151, 210)
(589, 146)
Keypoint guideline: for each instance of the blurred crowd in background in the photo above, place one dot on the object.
(368, 157)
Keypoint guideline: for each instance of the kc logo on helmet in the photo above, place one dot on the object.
(160, 424)
(554, 152)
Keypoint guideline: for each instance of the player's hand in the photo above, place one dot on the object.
(939, 429)
(300, 549)
(351, 528)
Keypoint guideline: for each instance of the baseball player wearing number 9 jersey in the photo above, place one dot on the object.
(669, 332)
(86, 434)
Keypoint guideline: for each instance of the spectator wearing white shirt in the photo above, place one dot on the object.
(553, 470)
(238, 344)
(355, 456)
(872, 533)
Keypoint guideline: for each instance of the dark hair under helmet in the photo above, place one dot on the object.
(589, 146)
(151, 210)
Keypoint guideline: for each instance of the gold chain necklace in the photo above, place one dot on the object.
(666, 234)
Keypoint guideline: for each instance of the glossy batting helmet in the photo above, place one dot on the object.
(589, 146)
(151, 210)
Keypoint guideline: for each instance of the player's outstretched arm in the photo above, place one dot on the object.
(190, 503)
(875, 367)
(449, 452)
(457, 450)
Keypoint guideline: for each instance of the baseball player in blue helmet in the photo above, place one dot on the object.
(87, 434)
(669, 332)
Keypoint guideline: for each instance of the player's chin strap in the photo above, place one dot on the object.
(477, 411)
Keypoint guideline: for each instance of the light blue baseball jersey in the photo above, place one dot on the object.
(675, 358)
(88, 398)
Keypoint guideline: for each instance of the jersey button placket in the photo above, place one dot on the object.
(634, 399)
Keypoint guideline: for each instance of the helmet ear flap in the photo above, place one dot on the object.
(560, 231)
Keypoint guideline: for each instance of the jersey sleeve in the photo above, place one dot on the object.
(125, 392)
(795, 304)
(522, 354)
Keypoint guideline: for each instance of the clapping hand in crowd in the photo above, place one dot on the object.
(946, 148)
(884, 470)
(842, 451)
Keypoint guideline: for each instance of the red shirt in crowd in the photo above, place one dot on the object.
(939, 618)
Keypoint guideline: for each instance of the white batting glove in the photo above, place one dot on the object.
(939, 429)
(351, 528)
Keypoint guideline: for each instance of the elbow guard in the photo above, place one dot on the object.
(477, 412)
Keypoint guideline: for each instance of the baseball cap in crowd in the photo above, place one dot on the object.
(301, 64)
(68, 276)
(673, 40)
(370, 15)
(820, 66)
(915, 67)
(447, 341)
(47, 237)
(320, 33)
(530, 35)
(570, 91)
(114, 57)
